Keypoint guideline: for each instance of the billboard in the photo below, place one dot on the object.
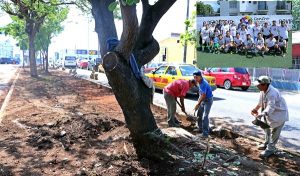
(260, 18)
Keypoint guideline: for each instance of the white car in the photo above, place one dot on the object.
(70, 61)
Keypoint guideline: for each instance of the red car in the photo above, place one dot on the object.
(83, 63)
(230, 77)
(152, 66)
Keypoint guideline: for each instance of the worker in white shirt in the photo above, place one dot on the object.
(260, 44)
(282, 46)
(266, 30)
(274, 29)
(243, 32)
(249, 44)
(228, 42)
(283, 31)
(205, 37)
(238, 43)
(225, 28)
(271, 44)
(256, 29)
(274, 112)
(250, 27)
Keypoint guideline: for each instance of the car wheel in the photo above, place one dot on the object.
(227, 84)
(244, 88)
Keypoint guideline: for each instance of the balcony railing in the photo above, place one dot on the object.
(262, 8)
(282, 7)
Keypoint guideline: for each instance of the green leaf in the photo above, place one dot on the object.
(112, 6)
(130, 2)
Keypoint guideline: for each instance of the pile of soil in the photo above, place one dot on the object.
(61, 125)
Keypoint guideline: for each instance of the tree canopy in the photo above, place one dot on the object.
(33, 13)
(296, 14)
(204, 9)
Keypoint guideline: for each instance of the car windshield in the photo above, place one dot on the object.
(70, 58)
(188, 70)
(241, 70)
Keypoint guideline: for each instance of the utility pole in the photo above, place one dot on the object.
(186, 29)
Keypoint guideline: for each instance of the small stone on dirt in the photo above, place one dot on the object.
(62, 133)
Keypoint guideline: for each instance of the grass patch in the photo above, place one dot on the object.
(205, 59)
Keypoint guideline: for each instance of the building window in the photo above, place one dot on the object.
(249, 1)
(233, 4)
(254, 2)
(262, 5)
(243, 1)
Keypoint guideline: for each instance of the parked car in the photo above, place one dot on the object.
(230, 77)
(167, 73)
(152, 66)
(83, 63)
(70, 62)
(15, 61)
(5, 60)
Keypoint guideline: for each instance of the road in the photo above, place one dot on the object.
(6, 74)
(232, 108)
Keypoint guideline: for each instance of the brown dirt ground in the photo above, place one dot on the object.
(62, 125)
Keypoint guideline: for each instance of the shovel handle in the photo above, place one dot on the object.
(180, 106)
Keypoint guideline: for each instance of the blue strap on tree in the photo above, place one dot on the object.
(111, 44)
(134, 67)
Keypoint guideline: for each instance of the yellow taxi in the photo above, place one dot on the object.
(167, 73)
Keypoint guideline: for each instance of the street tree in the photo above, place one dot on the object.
(51, 27)
(33, 12)
(204, 9)
(16, 29)
(296, 14)
(136, 43)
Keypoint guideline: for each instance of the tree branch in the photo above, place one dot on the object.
(130, 30)
(146, 5)
(58, 4)
(146, 54)
(150, 19)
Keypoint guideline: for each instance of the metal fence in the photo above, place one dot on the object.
(287, 79)
(276, 73)
(296, 63)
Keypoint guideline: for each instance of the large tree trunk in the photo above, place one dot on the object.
(32, 60)
(131, 93)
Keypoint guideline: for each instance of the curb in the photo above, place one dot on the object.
(8, 96)
(164, 108)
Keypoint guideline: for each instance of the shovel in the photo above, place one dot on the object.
(188, 117)
(260, 123)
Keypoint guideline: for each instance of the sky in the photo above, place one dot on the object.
(172, 21)
(79, 30)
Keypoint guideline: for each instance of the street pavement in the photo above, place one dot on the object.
(233, 107)
(6, 74)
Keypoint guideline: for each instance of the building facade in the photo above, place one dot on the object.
(240, 8)
(6, 49)
(171, 51)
